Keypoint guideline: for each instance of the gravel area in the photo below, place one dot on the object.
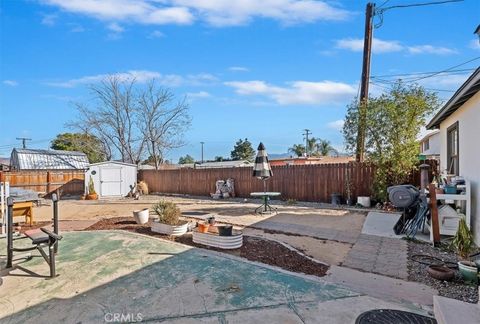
(456, 288)
(254, 249)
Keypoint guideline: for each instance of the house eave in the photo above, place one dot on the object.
(467, 90)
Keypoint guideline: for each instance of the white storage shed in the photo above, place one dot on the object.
(111, 178)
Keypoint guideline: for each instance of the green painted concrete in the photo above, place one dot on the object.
(110, 272)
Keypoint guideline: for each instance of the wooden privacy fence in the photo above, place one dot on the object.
(303, 182)
(69, 182)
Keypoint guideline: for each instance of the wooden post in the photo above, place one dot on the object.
(362, 108)
(48, 181)
(434, 215)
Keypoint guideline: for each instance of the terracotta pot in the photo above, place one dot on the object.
(441, 272)
(91, 196)
(203, 228)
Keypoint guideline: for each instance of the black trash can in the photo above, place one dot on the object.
(336, 199)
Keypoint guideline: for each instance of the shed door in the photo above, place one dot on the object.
(110, 181)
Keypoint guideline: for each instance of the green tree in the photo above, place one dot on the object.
(187, 159)
(393, 123)
(324, 147)
(297, 149)
(88, 144)
(243, 150)
(218, 159)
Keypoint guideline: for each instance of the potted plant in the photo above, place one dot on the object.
(168, 222)
(464, 244)
(92, 194)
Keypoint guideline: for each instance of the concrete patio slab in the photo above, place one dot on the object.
(105, 273)
(381, 224)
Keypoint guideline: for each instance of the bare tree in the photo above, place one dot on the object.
(162, 121)
(130, 120)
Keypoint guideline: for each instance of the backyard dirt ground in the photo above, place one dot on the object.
(235, 211)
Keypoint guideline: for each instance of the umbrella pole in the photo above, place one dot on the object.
(265, 197)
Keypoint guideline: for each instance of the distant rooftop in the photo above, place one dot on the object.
(32, 159)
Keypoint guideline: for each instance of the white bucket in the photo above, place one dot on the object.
(141, 216)
(364, 201)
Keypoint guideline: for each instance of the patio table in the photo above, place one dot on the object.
(265, 207)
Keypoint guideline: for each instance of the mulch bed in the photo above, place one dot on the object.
(254, 249)
(456, 288)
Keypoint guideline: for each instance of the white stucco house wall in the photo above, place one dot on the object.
(430, 144)
(459, 125)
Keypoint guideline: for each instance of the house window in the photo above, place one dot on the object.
(426, 145)
(452, 149)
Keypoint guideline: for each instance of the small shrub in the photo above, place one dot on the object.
(463, 240)
(91, 187)
(168, 212)
(291, 202)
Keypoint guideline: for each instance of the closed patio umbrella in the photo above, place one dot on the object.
(261, 168)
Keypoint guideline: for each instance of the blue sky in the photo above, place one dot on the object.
(258, 69)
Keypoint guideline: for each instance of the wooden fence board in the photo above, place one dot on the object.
(70, 182)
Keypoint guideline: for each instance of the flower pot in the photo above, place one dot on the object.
(174, 230)
(441, 272)
(469, 271)
(141, 216)
(203, 228)
(211, 220)
(225, 230)
(93, 196)
(82, 197)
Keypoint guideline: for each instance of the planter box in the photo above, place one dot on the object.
(223, 242)
(169, 229)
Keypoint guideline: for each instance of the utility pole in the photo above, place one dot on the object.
(362, 108)
(202, 150)
(307, 132)
(24, 141)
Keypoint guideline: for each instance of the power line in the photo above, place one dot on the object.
(458, 71)
(446, 70)
(418, 5)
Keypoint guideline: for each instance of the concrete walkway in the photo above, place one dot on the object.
(382, 255)
(105, 273)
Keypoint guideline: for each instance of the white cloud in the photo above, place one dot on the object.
(214, 12)
(141, 76)
(384, 46)
(238, 69)
(200, 94)
(474, 44)
(11, 83)
(378, 45)
(156, 34)
(429, 49)
(49, 20)
(115, 27)
(297, 92)
(336, 125)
